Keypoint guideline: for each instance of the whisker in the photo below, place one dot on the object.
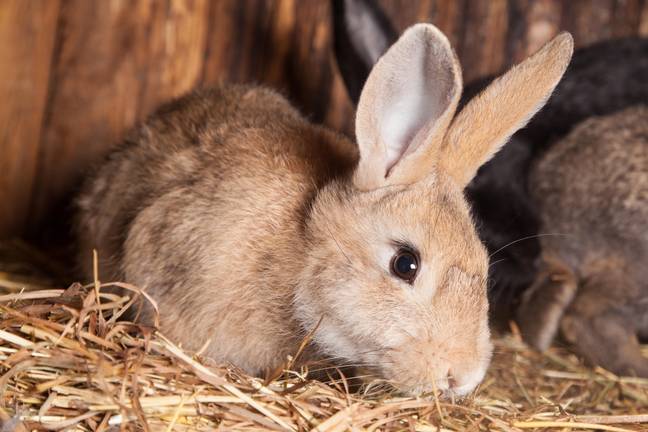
(526, 238)
(495, 262)
(338, 244)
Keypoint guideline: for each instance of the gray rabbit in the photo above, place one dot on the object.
(592, 192)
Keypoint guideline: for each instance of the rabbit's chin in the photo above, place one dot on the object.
(441, 366)
(426, 377)
(469, 382)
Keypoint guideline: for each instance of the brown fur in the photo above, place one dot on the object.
(249, 226)
(593, 191)
(174, 196)
(505, 106)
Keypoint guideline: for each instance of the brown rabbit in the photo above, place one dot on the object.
(249, 225)
(592, 189)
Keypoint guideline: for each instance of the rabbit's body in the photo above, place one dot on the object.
(252, 228)
(592, 192)
(593, 185)
(174, 209)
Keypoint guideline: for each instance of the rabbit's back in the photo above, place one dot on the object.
(226, 133)
(592, 189)
(201, 200)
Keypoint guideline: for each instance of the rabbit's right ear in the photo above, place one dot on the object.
(486, 123)
(405, 108)
(362, 33)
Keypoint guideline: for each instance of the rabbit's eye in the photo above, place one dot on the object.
(404, 265)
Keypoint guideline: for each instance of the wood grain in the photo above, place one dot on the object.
(76, 74)
(27, 33)
(115, 62)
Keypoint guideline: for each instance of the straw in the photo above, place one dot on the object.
(69, 360)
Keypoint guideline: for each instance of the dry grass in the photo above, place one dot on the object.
(69, 361)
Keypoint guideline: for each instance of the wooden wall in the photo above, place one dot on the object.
(74, 74)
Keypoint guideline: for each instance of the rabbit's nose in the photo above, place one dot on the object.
(462, 382)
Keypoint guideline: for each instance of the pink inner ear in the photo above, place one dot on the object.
(417, 94)
(392, 159)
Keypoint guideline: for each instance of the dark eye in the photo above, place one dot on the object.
(405, 265)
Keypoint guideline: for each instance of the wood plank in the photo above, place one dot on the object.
(285, 44)
(626, 18)
(589, 21)
(535, 23)
(114, 61)
(244, 43)
(117, 61)
(27, 33)
(643, 20)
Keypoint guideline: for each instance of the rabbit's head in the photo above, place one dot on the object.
(395, 276)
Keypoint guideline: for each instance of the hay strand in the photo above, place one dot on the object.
(69, 360)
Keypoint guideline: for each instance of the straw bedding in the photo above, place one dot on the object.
(69, 361)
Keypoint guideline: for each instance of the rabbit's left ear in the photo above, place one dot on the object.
(405, 108)
(485, 124)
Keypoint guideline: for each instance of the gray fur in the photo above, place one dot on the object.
(592, 192)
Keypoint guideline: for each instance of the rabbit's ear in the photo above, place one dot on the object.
(362, 33)
(485, 124)
(405, 108)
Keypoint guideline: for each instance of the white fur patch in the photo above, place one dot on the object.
(401, 120)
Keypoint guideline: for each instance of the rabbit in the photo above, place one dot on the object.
(603, 78)
(252, 228)
(593, 187)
